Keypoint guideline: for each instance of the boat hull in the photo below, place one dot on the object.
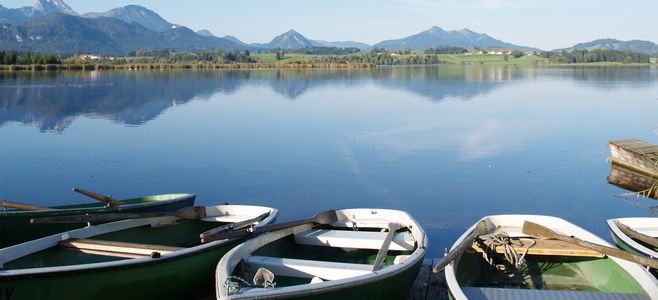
(179, 278)
(179, 265)
(562, 276)
(343, 264)
(15, 226)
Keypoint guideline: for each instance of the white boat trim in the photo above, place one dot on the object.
(648, 226)
(27, 248)
(348, 218)
(512, 224)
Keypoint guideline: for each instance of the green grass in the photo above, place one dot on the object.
(491, 59)
(268, 58)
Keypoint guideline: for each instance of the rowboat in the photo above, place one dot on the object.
(365, 254)
(541, 268)
(15, 224)
(145, 258)
(636, 235)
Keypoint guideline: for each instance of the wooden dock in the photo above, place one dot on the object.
(635, 154)
(428, 286)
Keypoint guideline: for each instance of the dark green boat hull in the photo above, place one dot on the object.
(185, 274)
(15, 225)
(180, 278)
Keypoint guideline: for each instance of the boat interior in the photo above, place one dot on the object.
(327, 253)
(542, 268)
(151, 237)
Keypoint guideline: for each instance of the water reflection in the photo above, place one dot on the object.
(52, 101)
(639, 184)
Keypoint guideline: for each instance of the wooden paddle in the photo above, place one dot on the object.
(649, 240)
(326, 217)
(381, 254)
(479, 230)
(190, 213)
(542, 232)
(22, 206)
(208, 235)
(106, 199)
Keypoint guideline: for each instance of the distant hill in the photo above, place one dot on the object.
(234, 39)
(135, 14)
(66, 34)
(204, 32)
(612, 44)
(341, 44)
(40, 8)
(437, 37)
(289, 40)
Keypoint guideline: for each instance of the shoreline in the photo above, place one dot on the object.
(287, 65)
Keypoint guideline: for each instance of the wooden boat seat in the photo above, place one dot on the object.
(523, 294)
(306, 268)
(117, 249)
(402, 241)
(551, 248)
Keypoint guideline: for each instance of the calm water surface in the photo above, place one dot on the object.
(448, 144)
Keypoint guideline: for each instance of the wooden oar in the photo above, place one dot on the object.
(208, 235)
(326, 217)
(381, 254)
(649, 240)
(190, 213)
(479, 230)
(106, 199)
(22, 206)
(542, 232)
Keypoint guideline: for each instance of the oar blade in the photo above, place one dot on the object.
(538, 231)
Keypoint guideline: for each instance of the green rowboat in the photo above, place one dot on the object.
(366, 254)
(146, 258)
(15, 225)
(541, 269)
(647, 227)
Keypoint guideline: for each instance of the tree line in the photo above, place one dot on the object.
(597, 55)
(28, 58)
(201, 56)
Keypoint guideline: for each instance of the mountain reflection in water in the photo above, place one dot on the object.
(52, 100)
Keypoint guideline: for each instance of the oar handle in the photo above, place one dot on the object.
(649, 262)
(22, 206)
(99, 197)
(210, 234)
(479, 230)
(327, 217)
(188, 212)
(97, 218)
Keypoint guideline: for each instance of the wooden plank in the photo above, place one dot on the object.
(326, 270)
(117, 249)
(438, 288)
(419, 288)
(549, 247)
(402, 241)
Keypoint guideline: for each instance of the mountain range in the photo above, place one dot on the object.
(436, 37)
(53, 26)
(613, 44)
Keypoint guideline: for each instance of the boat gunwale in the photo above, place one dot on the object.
(647, 281)
(8, 275)
(628, 240)
(414, 259)
(100, 208)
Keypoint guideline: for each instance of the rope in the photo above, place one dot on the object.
(489, 242)
(233, 284)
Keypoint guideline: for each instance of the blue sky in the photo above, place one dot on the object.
(543, 24)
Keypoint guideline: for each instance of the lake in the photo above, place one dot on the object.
(449, 144)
